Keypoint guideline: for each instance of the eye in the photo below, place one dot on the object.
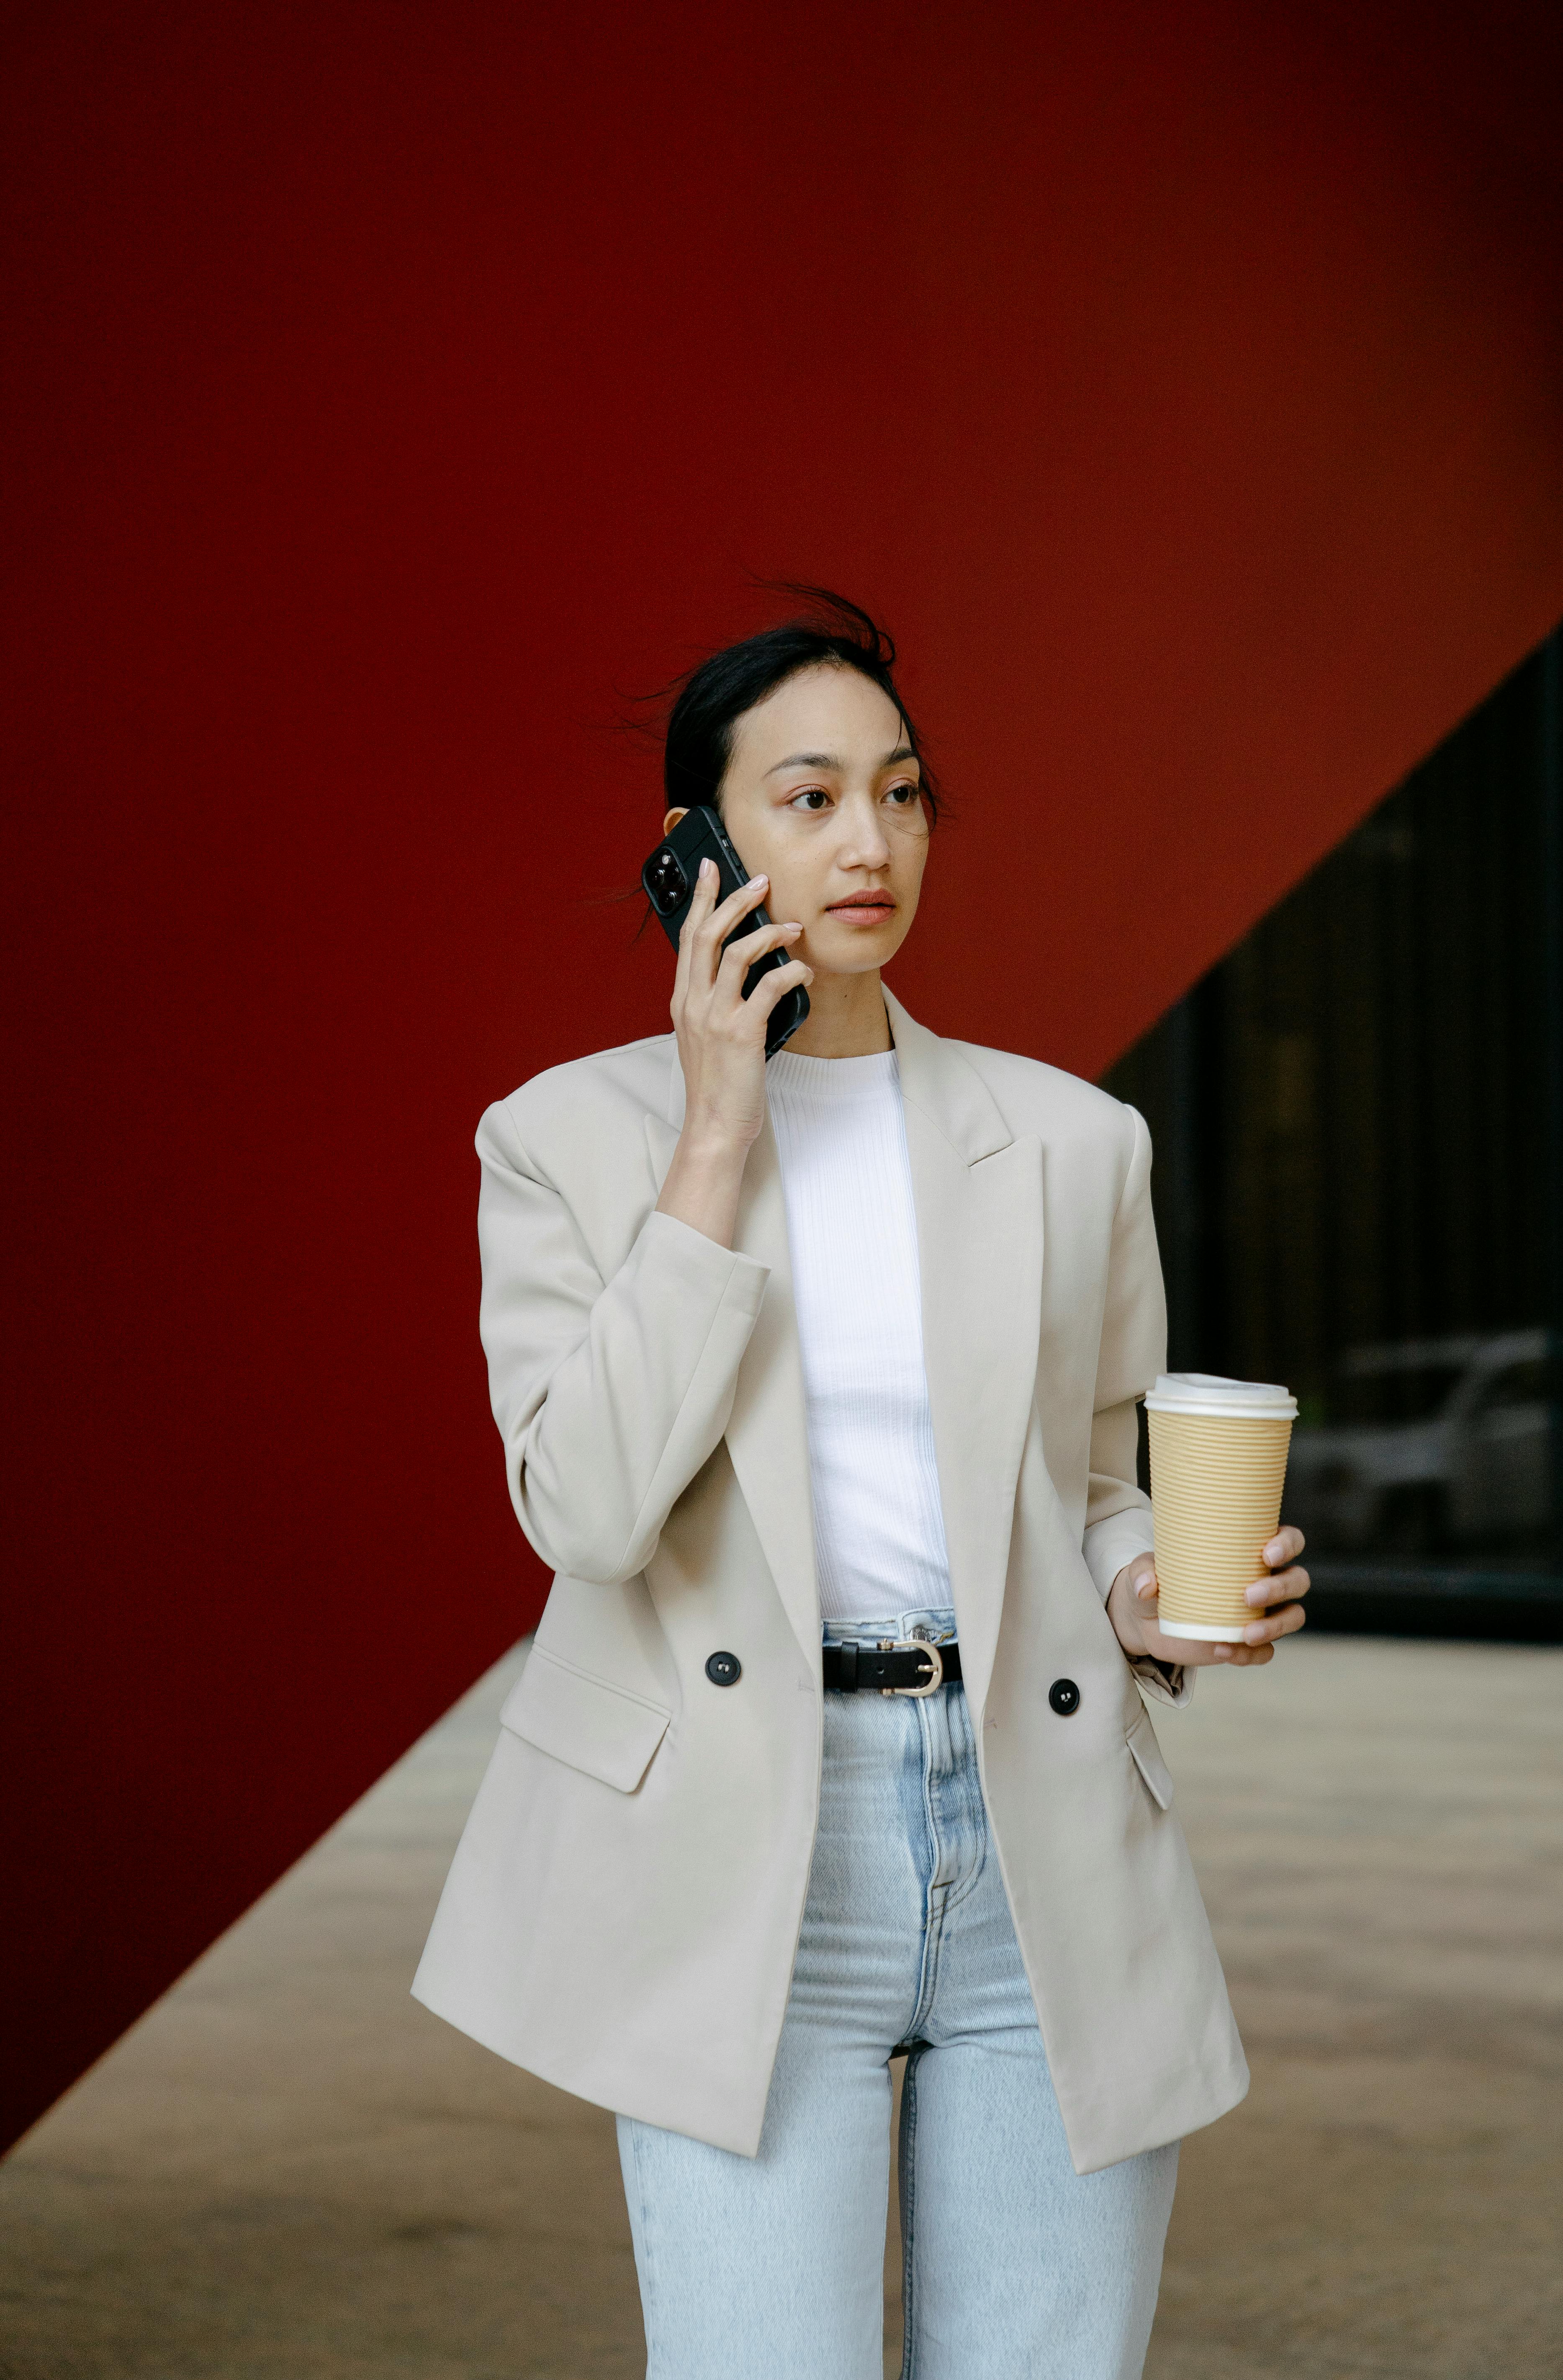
(813, 797)
(903, 796)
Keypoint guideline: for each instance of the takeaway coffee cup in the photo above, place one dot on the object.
(1218, 1458)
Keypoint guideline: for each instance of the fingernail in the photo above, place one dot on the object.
(754, 880)
(707, 867)
(1256, 1594)
(1223, 1652)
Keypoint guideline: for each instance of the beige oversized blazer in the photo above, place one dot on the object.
(623, 1908)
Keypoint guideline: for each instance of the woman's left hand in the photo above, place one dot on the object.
(1278, 1601)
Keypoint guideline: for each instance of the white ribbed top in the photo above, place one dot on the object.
(879, 1528)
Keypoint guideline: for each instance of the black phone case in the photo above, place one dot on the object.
(670, 888)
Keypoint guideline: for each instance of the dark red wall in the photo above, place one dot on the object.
(392, 388)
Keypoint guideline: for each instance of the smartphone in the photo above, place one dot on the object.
(669, 878)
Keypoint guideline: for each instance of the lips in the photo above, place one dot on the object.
(863, 905)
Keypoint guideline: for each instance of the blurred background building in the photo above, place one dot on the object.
(1358, 1120)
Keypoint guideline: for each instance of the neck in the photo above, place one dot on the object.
(847, 1018)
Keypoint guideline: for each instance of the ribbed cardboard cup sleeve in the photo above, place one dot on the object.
(1216, 1496)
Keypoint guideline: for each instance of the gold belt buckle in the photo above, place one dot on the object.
(915, 1644)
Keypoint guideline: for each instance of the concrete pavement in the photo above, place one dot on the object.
(288, 2170)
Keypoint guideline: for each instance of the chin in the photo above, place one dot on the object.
(853, 950)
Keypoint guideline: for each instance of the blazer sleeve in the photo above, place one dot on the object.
(1132, 1351)
(608, 1394)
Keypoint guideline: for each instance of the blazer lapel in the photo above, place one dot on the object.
(978, 1191)
(767, 1433)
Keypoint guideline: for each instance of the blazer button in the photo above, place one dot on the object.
(724, 1668)
(1064, 1695)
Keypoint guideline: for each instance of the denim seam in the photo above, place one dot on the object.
(966, 1767)
(648, 2293)
(933, 1914)
(907, 2175)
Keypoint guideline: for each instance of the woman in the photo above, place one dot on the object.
(818, 1385)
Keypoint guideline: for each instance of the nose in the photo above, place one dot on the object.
(864, 844)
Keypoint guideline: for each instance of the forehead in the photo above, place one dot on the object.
(824, 709)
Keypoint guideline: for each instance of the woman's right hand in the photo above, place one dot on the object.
(722, 1051)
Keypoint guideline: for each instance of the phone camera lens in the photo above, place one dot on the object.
(665, 879)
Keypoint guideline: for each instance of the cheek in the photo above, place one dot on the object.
(765, 852)
(792, 894)
(911, 862)
(761, 850)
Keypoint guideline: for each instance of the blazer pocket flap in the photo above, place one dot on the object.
(1149, 1762)
(584, 1722)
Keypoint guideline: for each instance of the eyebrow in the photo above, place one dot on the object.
(830, 760)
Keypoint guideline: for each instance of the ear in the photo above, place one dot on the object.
(672, 820)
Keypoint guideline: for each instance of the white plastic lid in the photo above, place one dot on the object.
(1206, 1392)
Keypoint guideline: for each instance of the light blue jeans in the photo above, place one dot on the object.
(771, 2267)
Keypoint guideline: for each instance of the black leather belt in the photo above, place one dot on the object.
(899, 1664)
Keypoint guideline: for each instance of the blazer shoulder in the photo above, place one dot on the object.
(586, 1102)
(1036, 1097)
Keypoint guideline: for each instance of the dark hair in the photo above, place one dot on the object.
(714, 696)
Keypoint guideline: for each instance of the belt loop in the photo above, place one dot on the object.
(849, 1668)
